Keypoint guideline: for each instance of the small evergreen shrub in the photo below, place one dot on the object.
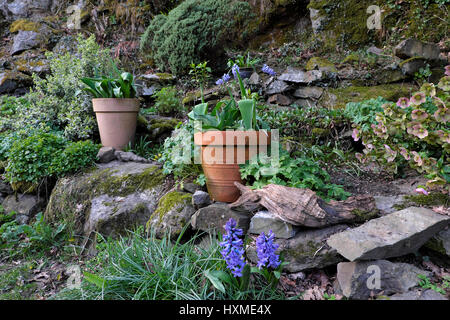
(167, 101)
(194, 31)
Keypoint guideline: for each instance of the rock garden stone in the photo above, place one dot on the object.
(411, 66)
(358, 280)
(5, 188)
(387, 204)
(299, 76)
(280, 99)
(106, 154)
(414, 48)
(25, 40)
(129, 157)
(440, 242)
(25, 206)
(322, 64)
(428, 294)
(173, 213)
(200, 199)
(191, 187)
(308, 93)
(264, 221)
(11, 82)
(393, 235)
(307, 250)
(214, 217)
(255, 79)
(111, 199)
(277, 86)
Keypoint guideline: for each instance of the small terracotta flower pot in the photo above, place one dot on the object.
(117, 119)
(222, 152)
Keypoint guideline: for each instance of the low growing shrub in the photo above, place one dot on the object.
(193, 31)
(54, 102)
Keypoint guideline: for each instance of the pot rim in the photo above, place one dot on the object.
(263, 137)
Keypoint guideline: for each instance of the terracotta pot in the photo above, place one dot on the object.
(117, 119)
(222, 152)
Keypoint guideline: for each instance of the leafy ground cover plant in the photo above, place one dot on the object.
(36, 155)
(364, 113)
(243, 62)
(298, 173)
(413, 132)
(21, 240)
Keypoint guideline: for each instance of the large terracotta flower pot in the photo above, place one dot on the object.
(221, 154)
(117, 119)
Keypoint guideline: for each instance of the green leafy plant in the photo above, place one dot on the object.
(425, 283)
(243, 61)
(44, 154)
(167, 101)
(229, 114)
(21, 240)
(364, 113)
(106, 87)
(200, 72)
(141, 147)
(298, 173)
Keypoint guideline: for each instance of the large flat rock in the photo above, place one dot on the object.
(306, 250)
(393, 235)
(361, 280)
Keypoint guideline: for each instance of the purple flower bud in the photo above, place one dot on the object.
(265, 248)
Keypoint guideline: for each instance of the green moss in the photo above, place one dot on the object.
(319, 132)
(105, 182)
(140, 208)
(338, 98)
(363, 216)
(351, 58)
(165, 76)
(321, 64)
(170, 201)
(436, 245)
(432, 199)
(410, 60)
(24, 25)
(164, 124)
(76, 193)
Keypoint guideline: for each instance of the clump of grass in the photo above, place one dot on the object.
(142, 267)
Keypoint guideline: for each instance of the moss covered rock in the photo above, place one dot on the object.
(173, 213)
(338, 98)
(110, 199)
(321, 64)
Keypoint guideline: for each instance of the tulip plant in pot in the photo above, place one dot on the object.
(230, 135)
(116, 108)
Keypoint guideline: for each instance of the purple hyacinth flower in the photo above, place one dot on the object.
(265, 248)
(268, 70)
(233, 248)
(235, 70)
(225, 78)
